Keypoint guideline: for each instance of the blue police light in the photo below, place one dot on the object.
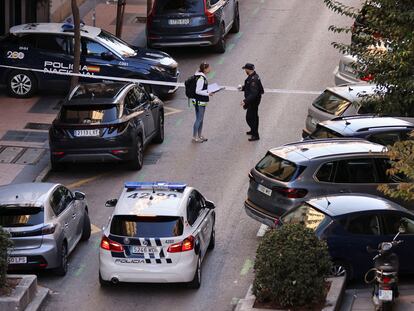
(158, 185)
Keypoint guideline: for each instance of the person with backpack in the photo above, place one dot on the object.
(196, 89)
(253, 91)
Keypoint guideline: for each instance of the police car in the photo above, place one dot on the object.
(158, 233)
(49, 47)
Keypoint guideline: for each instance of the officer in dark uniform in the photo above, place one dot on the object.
(253, 91)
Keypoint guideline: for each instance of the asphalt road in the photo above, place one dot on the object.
(289, 42)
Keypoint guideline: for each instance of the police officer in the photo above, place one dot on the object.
(253, 90)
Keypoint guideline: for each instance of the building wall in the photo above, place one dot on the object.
(61, 9)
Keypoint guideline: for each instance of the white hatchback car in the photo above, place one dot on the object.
(158, 233)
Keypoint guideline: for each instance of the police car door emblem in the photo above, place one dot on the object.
(145, 243)
(126, 241)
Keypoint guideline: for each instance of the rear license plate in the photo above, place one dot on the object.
(144, 249)
(184, 21)
(385, 294)
(17, 260)
(86, 133)
(264, 190)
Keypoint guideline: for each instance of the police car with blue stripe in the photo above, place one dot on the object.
(158, 233)
(50, 46)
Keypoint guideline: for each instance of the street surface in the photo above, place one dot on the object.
(289, 42)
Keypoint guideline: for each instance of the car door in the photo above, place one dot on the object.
(391, 223)
(77, 214)
(195, 217)
(228, 13)
(137, 112)
(150, 110)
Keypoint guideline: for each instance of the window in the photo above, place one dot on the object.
(92, 49)
(384, 165)
(323, 132)
(392, 223)
(306, 215)
(21, 216)
(141, 96)
(331, 103)
(116, 44)
(275, 167)
(385, 138)
(210, 3)
(194, 207)
(60, 199)
(147, 227)
(52, 43)
(179, 6)
(94, 114)
(131, 101)
(356, 171)
(363, 225)
(326, 172)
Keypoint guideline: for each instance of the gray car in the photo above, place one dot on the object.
(46, 221)
(296, 172)
(345, 74)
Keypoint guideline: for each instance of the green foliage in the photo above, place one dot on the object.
(291, 266)
(5, 243)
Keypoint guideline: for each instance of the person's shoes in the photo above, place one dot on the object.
(203, 138)
(197, 140)
(254, 138)
(249, 133)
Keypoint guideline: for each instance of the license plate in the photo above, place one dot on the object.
(86, 133)
(264, 190)
(349, 69)
(17, 260)
(144, 249)
(184, 21)
(385, 294)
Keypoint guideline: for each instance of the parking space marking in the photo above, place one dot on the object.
(171, 111)
(262, 230)
(81, 182)
(80, 270)
(221, 60)
(95, 229)
(231, 46)
(234, 301)
(248, 264)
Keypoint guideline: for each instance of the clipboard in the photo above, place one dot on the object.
(214, 88)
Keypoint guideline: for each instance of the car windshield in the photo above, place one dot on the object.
(116, 44)
(84, 114)
(275, 167)
(331, 103)
(323, 132)
(20, 216)
(304, 214)
(147, 227)
(178, 6)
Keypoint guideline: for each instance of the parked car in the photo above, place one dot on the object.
(296, 172)
(345, 73)
(49, 47)
(46, 221)
(192, 23)
(104, 122)
(382, 130)
(351, 222)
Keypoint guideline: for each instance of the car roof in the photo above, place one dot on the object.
(25, 193)
(97, 93)
(338, 205)
(318, 148)
(54, 28)
(157, 203)
(352, 124)
(353, 92)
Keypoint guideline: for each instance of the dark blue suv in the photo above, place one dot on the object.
(49, 47)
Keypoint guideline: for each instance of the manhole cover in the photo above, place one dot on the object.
(152, 158)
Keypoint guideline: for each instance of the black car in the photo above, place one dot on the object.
(49, 47)
(380, 130)
(102, 122)
(192, 23)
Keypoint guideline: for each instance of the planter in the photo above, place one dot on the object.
(25, 296)
(332, 301)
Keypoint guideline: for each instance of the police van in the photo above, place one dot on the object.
(158, 233)
(50, 46)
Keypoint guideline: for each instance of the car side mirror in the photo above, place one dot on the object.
(210, 205)
(111, 202)
(152, 97)
(107, 56)
(79, 195)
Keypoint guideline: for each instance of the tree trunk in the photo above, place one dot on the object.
(120, 8)
(76, 49)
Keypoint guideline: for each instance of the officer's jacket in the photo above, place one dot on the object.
(252, 89)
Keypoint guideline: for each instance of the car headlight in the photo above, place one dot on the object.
(168, 61)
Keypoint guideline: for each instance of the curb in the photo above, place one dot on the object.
(38, 300)
(44, 173)
(333, 297)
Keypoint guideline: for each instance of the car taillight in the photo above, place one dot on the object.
(118, 128)
(110, 245)
(292, 193)
(58, 153)
(211, 19)
(186, 245)
(49, 229)
(367, 78)
(386, 280)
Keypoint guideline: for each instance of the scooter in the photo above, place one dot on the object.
(385, 278)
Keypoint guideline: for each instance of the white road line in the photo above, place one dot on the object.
(171, 111)
(262, 230)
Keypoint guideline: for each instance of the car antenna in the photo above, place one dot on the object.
(329, 203)
(350, 89)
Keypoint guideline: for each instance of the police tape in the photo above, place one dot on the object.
(151, 82)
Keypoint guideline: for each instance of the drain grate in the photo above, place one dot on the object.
(132, 18)
(152, 158)
(37, 126)
(47, 104)
(19, 155)
(26, 136)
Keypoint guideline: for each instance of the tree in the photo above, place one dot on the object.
(5, 243)
(384, 49)
(76, 49)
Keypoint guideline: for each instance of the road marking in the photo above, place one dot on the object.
(248, 264)
(239, 35)
(171, 111)
(234, 301)
(80, 270)
(84, 181)
(221, 60)
(95, 229)
(262, 230)
(141, 177)
(230, 46)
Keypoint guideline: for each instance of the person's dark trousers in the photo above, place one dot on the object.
(252, 119)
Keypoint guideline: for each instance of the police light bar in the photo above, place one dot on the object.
(158, 185)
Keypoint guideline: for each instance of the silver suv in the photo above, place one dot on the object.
(296, 172)
(46, 221)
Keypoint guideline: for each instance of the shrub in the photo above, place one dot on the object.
(291, 266)
(4, 244)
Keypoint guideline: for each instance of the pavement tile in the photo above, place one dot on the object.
(8, 172)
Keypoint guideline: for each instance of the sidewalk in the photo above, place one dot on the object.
(24, 123)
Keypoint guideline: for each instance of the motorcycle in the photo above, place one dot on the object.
(385, 280)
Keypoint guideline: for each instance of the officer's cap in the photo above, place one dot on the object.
(248, 66)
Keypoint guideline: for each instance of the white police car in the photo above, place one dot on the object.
(158, 232)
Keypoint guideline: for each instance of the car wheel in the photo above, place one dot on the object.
(236, 23)
(196, 282)
(21, 84)
(102, 282)
(386, 306)
(220, 47)
(63, 258)
(138, 160)
(159, 138)
(341, 268)
(212, 239)
(86, 230)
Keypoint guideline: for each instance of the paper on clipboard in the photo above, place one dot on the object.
(214, 88)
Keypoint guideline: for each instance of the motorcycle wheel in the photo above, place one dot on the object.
(386, 306)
